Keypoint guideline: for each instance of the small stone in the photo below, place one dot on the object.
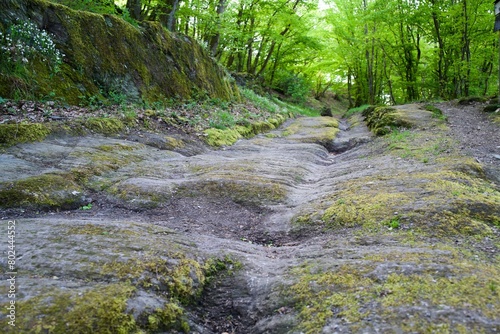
(496, 156)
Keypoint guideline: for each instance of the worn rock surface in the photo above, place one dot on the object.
(314, 227)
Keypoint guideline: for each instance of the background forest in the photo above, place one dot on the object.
(373, 51)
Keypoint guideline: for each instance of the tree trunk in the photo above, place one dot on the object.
(215, 39)
(171, 16)
(465, 82)
(441, 70)
(369, 63)
(134, 9)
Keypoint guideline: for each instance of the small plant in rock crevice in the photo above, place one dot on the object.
(393, 223)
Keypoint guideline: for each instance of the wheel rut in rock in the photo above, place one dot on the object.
(316, 226)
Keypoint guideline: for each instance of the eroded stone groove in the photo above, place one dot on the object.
(272, 235)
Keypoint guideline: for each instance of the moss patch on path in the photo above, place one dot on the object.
(355, 294)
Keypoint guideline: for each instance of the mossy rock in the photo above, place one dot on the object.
(318, 130)
(12, 134)
(490, 108)
(382, 120)
(217, 137)
(107, 126)
(106, 57)
(46, 191)
(446, 203)
(262, 126)
(347, 293)
(227, 137)
(471, 99)
(101, 309)
(252, 191)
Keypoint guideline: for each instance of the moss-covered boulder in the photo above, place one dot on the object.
(11, 134)
(381, 120)
(47, 191)
(107, 56)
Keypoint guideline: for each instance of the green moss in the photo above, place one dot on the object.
(363, 208)
(44, 191)
(183, 281)
(217, 137)
(245, 131)
(107, 126)
(436, 112)
(443, 203)
(473, 291)
(115, 147)
(350, 294)
(94, 230)
(322, 295)
(11, 134)
(107, 158)
(424, 146)
(262, 126)
(381, 120)
(101, 309)
(170, 317)
(173, 143)
(275, 122)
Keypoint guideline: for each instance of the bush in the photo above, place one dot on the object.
(296, 87)
(24, 43)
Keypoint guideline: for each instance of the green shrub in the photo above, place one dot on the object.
(222, 120)
(23, 44)
(296, 87)
(356, 110)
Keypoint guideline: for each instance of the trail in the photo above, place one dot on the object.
(306, 209)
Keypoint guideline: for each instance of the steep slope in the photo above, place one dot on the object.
(106, 56)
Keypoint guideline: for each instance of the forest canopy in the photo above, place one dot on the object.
(373, 51)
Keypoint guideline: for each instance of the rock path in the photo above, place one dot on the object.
(336, 231)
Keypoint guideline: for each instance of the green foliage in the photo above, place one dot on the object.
(393, 223)
(86, 207)
(222, 120)
(94, 102)
(356, 110)
(23, 44)
(259, 101)
(436, 112)
(117, 97)
(296, 87)
(395, 52)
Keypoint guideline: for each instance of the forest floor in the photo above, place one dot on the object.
(317, 226)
